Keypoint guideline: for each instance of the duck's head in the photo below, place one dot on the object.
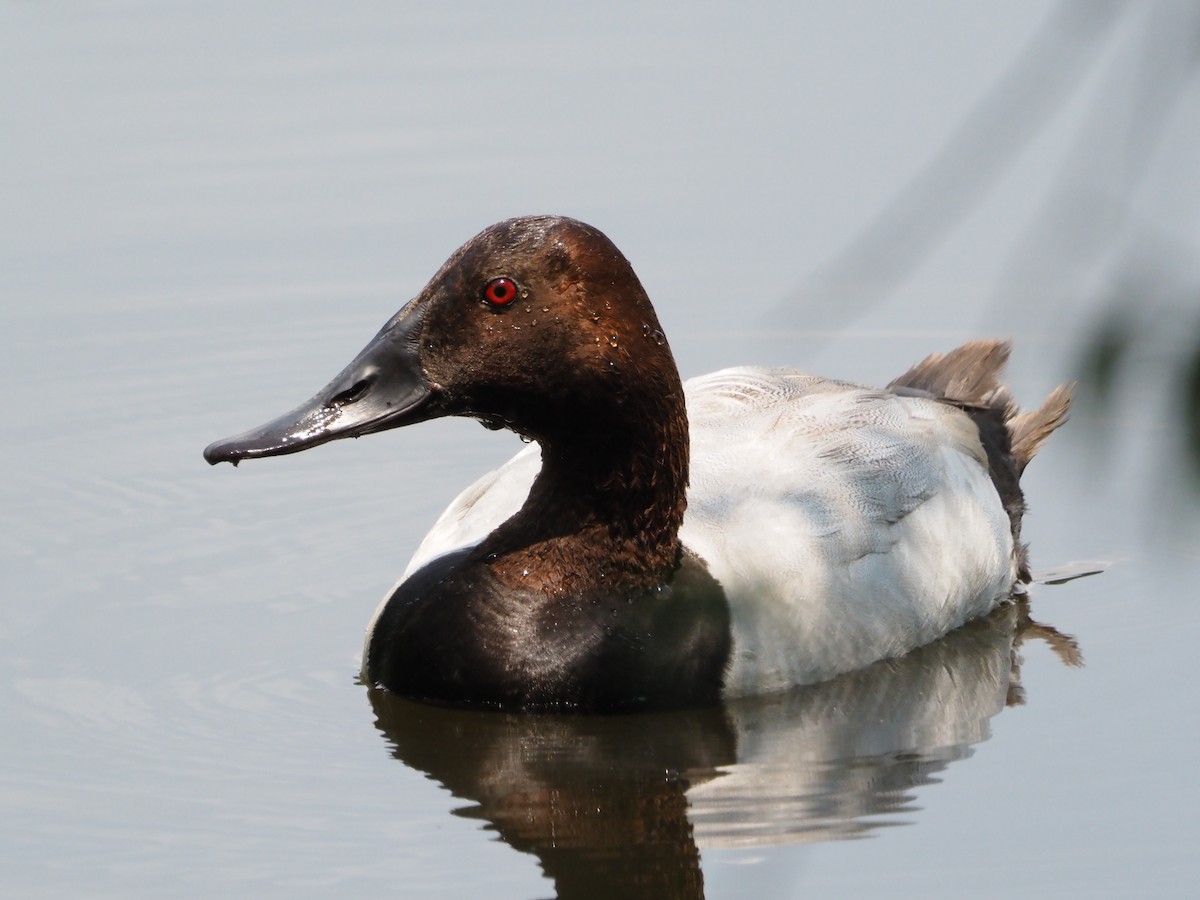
(538, 324)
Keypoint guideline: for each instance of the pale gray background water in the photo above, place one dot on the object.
(207, 208)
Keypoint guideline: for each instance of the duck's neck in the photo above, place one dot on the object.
(606, 508)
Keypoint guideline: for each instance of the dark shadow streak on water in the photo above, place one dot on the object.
(622, 806)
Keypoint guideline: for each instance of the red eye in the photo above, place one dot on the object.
(500, 291)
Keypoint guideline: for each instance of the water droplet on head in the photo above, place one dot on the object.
(612, 340)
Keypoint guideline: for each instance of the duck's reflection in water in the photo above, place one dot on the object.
(622, 806)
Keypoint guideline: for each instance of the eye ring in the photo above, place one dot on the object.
(500, 292)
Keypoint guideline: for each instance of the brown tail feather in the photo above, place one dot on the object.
(969, 375)
(1030, 429)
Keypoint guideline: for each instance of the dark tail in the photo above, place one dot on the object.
(1030, 429)
(969, 377)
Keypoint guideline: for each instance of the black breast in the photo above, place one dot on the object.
(453, 634)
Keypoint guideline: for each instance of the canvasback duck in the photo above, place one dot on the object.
(826, 526)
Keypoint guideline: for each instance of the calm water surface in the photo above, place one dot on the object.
(208, 208)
